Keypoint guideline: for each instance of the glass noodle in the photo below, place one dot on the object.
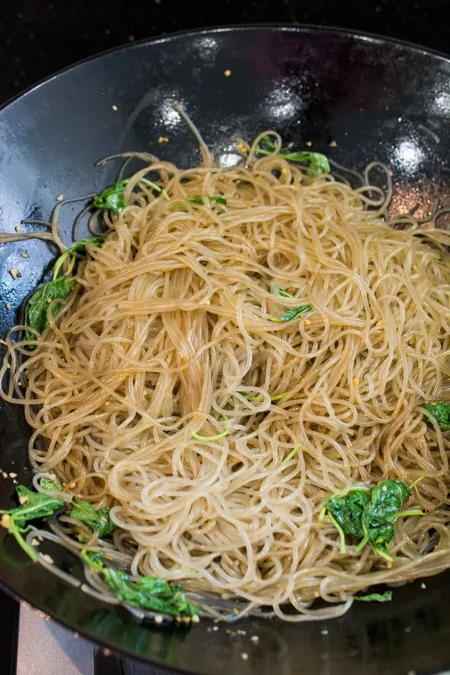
(164, 389)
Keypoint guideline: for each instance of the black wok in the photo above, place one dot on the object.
(376, 99)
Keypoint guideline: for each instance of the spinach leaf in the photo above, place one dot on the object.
(77, 247)
(380, 514)
(215, 198)
(316, 161)
(32, 505)
(98, 521)
(293, 313)
(441, 413)
(113, 198)
(348, 510)
(375, 597)
(58, 291)
(151, 593)
(369, 514)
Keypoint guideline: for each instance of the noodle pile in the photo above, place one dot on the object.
(165, 389)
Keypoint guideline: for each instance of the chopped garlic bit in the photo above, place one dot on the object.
(114, 107)
(13, 475)
(356, 382)
(333, 144)
(47, 558)
(308, 322)
(379, 323)
(309, 143)
(18, 228)
(35, 542)
(163, 139)
(255, 639)
(14, 272)
(8, 307)
(159, 618)
(244, 656)
(60, 197)
(4, 474)
(4, 522)
(23, 499)
(227, 72)
(25, 254)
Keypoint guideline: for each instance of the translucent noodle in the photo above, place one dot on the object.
(170, 333)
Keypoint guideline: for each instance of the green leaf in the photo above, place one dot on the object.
(380, 514)
(98, 521)
(150, 593)
(32, 505)
(441, 413)
(370, 514)
(113, 198)
(215, 198)
(294, 313)
(56, 292)
(347, 510)
(77, 247)
(375, 597)
(316, 161)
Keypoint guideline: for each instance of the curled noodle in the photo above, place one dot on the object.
(171, 331)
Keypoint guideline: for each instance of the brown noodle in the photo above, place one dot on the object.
(170, 332)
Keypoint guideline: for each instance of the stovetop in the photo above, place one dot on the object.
(39, 37)
(62, 652)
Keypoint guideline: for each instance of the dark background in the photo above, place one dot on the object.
(38, 38)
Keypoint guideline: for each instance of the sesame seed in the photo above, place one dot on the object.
(309, 143)
(422, 586)
(60, 197)
(4, 474)
(13, 475)
(215, 628)
(244, 656)
(114, 107)
(8, 306)
(159, 619)
(255, 639)
(227, 73)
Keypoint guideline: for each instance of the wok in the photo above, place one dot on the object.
(370, 98)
